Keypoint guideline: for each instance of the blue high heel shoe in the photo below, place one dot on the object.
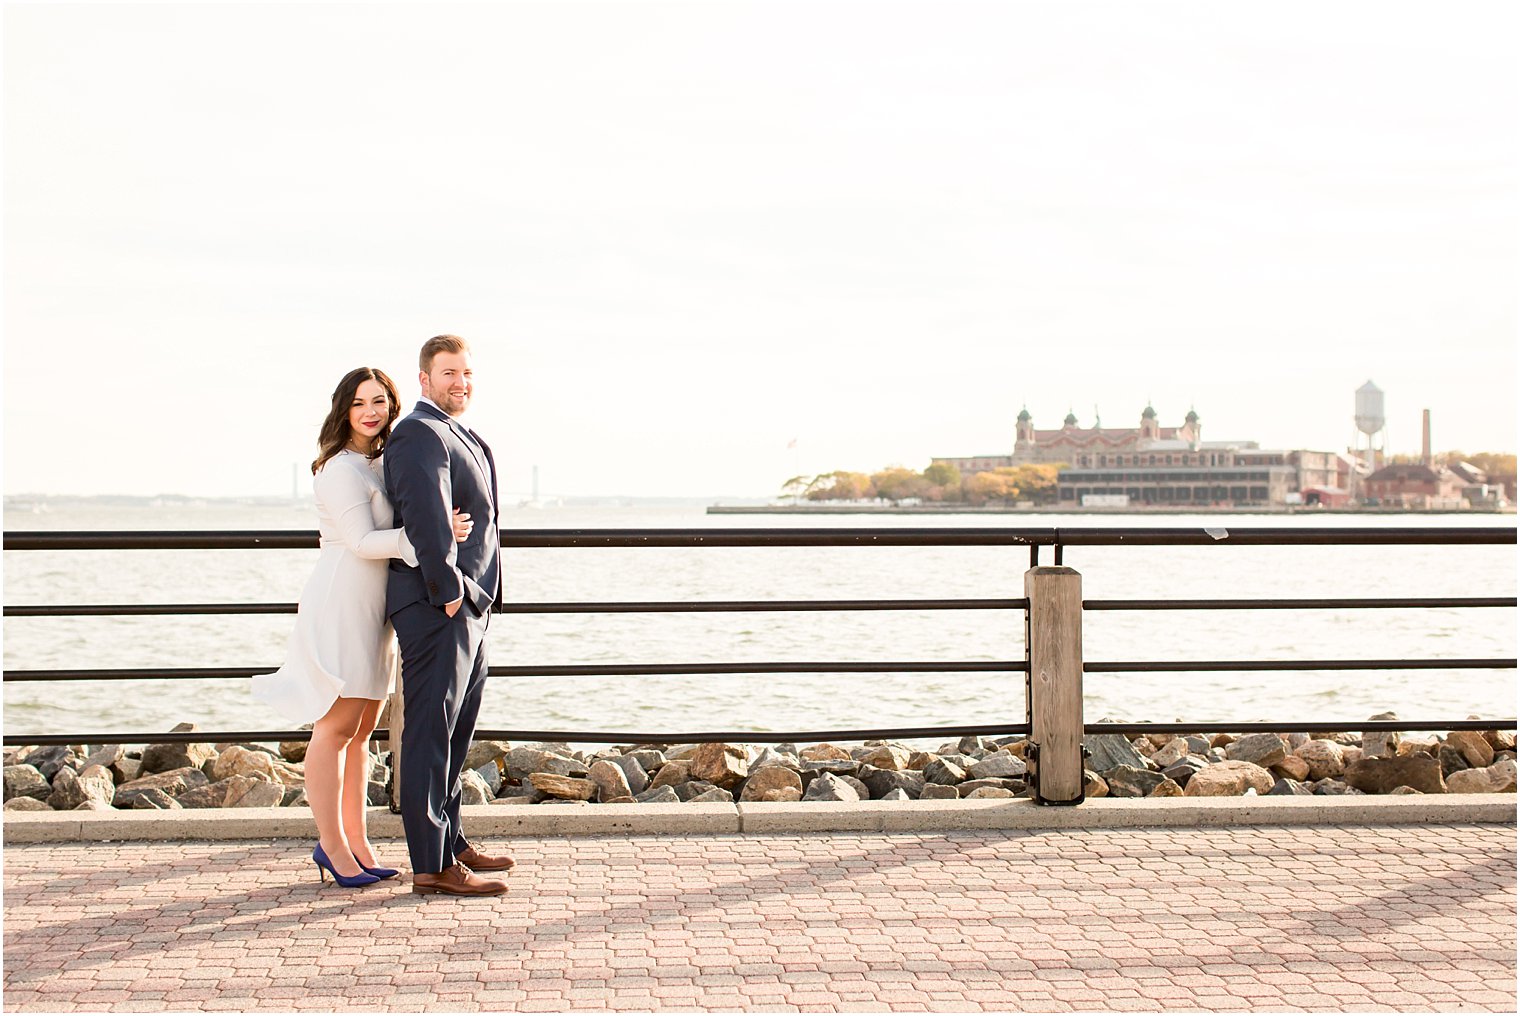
(381, 872)
(346, 881)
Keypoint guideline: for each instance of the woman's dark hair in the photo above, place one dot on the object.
(336, 431)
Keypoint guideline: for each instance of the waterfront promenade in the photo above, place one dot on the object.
(1267, 918)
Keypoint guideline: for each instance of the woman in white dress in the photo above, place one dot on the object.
(341, 659)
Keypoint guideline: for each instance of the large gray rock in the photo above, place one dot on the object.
(880, 782)
(1130, 781)
(1230, 778)
(1286, 787)
(671, 774)
(485, 752)
(944, 772)
(1265, 750)
(1452, 760)
(836, 766)
(248, 792)
(633, 772)
(650, 758)
(938, 792)
(567, 788)
(692, 788)
(49, 760)
(722, 765)
(609, 779)
(490, 773)
(1170, 753)
(214, 795)
(1325, 758)
(1475, 749)
(999, 765)
(769, 756)
(860, 788)
(173, 783)
(966, 789)
(166, 757)
(70, 791)
(663, 794)
(153, 798)
(105, 756)
(714, 795)
(474, 789)
(1380, 743)
(1182, 770)
(1110, 751)
(1498, 778)
(772, 783)
(1334, 788)
(26, 804)
(828, 787)
(524, 761)
(239, 761)
(888, 756)
(26, 781)
(1381, 775)
(984, 792)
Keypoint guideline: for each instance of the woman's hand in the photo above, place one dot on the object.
(462, 526)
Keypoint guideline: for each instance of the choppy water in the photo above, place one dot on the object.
(784, 701)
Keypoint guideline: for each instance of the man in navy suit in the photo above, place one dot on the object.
(436, 465)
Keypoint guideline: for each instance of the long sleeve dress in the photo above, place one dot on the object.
(342, 644)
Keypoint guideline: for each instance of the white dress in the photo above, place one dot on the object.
(343, 644)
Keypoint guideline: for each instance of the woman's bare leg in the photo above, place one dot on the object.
(331, 738)
(356, 785)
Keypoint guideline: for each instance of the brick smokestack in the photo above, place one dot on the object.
(1425, 441)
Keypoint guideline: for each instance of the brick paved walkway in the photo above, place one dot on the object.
(1342, 918)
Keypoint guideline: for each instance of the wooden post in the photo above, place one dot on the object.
(1053, 636)
(395, 709)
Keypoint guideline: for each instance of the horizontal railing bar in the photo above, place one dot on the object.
(1310, 604)
(936, 536)
(1292, 727)
(561, 670)
(776, 737)
(1179, 666)
(566, 736)
(567, 607)
(1276, 537)
(777, 606)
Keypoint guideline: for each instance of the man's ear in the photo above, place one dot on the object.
(422, 378)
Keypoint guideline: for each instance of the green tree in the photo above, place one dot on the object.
(896, 483)
(1037, 483)
(795, 487)
(840, 485)
(943, 474)
(997, 485)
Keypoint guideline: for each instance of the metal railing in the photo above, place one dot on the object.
(1033, 538)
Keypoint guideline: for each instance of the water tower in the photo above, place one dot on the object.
(1370, 424)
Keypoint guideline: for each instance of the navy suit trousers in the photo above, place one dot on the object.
(443, 674)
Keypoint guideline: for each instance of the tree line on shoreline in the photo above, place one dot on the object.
(939, 483)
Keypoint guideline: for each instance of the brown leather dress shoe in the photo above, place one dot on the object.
(457, 880)
(485, 862)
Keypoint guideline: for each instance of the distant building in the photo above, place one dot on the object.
(1417, 486)
(1152, 465)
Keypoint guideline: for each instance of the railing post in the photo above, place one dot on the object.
(396, 708)
(1053, 688)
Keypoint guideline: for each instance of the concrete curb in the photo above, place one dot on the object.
(778, 819)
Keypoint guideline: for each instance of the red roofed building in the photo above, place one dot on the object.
(1416, 486)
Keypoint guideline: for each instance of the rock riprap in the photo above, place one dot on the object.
(1165, 764)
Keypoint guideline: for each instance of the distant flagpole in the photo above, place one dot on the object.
(796, 468)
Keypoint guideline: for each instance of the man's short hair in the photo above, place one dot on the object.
(440, 344)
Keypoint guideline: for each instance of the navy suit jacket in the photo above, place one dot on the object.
(433, 464)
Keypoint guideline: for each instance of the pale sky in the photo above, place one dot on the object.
(680, 235)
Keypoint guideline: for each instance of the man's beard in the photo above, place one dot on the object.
(454, 405)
